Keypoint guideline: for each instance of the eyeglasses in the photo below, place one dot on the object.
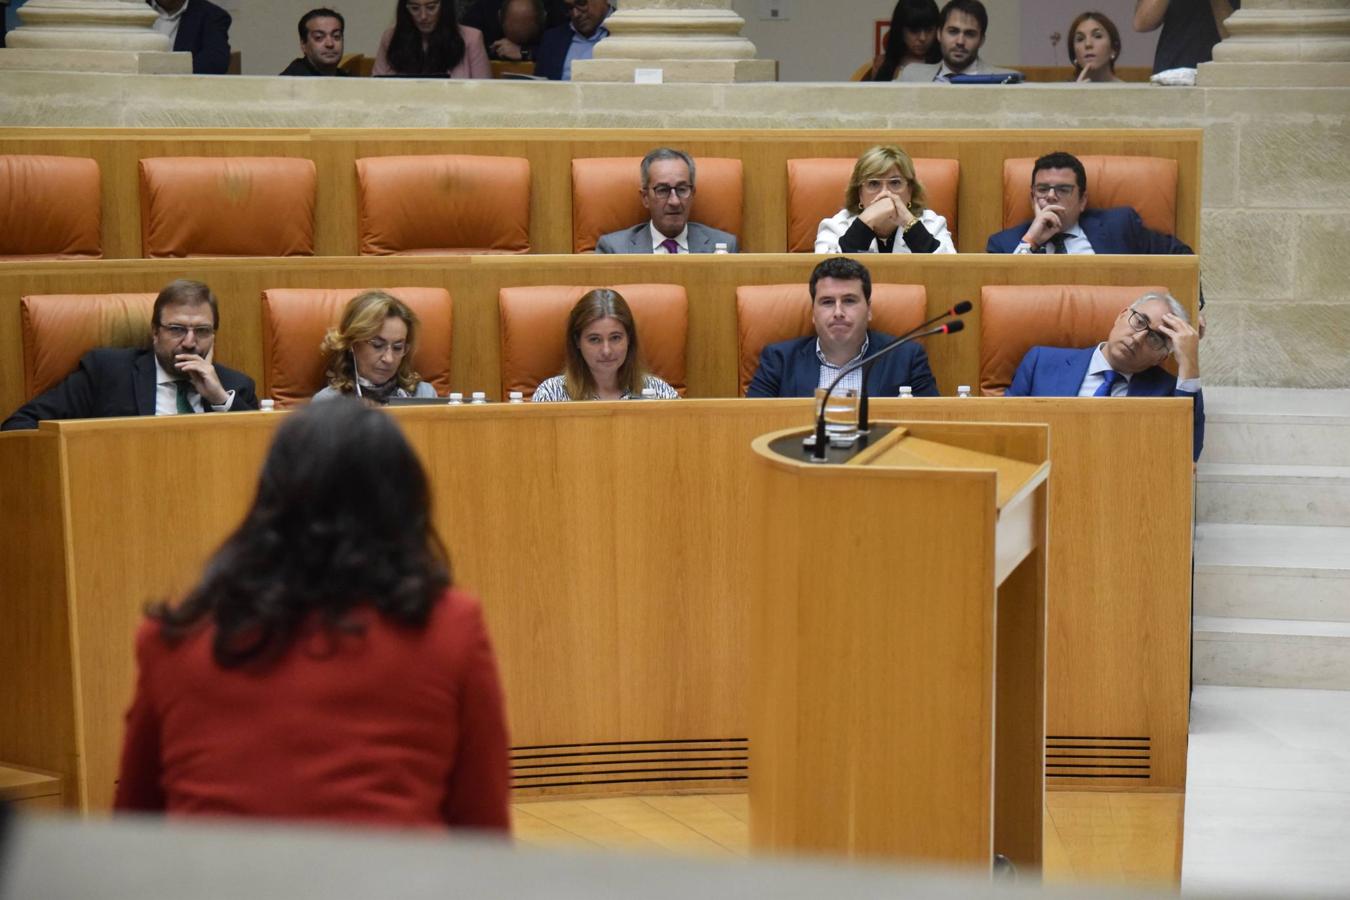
(663, 191)
(379, 345)
(894, 185)
(429, 8)
(180, 332)
(1155, 339)
(1062, 191)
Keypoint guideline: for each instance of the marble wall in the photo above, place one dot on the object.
(1276, 210)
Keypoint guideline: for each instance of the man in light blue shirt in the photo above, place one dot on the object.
(565, 44)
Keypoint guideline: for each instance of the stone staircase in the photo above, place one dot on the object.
(1272, 574)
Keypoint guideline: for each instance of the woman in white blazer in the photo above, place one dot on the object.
(884, 210)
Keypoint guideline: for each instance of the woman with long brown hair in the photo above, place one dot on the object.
(601, 359)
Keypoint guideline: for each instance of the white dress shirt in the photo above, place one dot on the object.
(167, 23)
(657, 237)
(1074, 242)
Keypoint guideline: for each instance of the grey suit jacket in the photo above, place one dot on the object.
(637, 239)
(922, 73)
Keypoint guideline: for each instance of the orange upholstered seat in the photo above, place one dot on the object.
(227, 206)
(1147, 183)
(769, 313)
(295, 320)
(50, 208)
(605, 196)
(1015, 318)
(60, 328)
(816, 191)
(444, 204)
(534, 323)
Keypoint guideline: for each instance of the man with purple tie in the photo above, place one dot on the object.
(1126, 364)
(667, 191)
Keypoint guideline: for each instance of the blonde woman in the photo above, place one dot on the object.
(602, 360)
(370, 353)
(884, 210)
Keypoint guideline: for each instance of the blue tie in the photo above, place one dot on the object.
(1109, 377)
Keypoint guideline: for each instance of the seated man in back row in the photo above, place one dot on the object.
(1126, 364)
(175, 375)
(841, 308)
(667, 191)
(1064, 224)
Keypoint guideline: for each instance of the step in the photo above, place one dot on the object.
(1273, 494)
(1272, 572)
(1275, 653)
(1277, 426)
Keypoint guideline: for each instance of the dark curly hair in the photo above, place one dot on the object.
(342, 518)
(443, 49)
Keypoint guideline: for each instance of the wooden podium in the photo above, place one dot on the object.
(897, 640)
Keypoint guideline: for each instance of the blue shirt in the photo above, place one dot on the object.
(582, 48)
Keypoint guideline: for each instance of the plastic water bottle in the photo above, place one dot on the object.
(478, 397)
(906, 392)
(267, 405)
(719, 248)
(456, 398)
(649, 393)
(515, 397)
(962, 390)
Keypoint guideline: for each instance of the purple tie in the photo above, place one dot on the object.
(670, 245)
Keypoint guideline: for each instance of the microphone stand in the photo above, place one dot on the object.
(959, 309)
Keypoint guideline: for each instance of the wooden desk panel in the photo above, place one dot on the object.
(474, 282)
(605, 542)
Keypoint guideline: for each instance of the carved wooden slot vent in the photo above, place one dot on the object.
(631, 765)
(1071, 758)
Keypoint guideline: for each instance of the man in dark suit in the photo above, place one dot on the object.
(667, 191)
(1126, 364)
(1064, 224)
(175, 376)
(841, 307)
(321, 43)
(572, 40)
(198, 27)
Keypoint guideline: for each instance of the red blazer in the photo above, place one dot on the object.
(395, 726)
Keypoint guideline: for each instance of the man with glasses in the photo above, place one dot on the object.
(1064, 224)
(1126, 364)
(667, 191)
(175, 375)
(576, 39)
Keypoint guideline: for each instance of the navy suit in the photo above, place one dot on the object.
(204, 31)
(1059, 372)
(1117, 230)
(791, 369)
(552, 52)
(114, 382)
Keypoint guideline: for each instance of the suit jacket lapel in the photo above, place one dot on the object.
(143, 382)
(698, 239)
(1075, 370)
(640, 239)
(805, 370)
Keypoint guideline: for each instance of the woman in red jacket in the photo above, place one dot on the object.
(324, 668)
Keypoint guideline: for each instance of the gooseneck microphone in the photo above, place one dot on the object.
(960, 309)
(818, 452)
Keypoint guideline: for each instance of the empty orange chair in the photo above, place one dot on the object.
(1147, 183)
(534, 325)
(605, 196)
(1015, 318)
(58, 329)
(227, 206)
(50, 208)
(769, 313)
(294, 321)
(816, 191)
(443, 204)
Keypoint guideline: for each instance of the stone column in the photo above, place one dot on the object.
(90, 36)
(1283, 43)
(688, 40)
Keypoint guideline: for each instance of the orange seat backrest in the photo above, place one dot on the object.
(295, 320)
(227, 206)
(60, 328)
(769, 313)
(1015, 318)
(534, 323)
(1147, 183)
(50, 208)
(443, 204)
(605, 196)
(816, 191)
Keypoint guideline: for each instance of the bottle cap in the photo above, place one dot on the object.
(267, 405)
(516, 395)
(456, 396)
(479, 395)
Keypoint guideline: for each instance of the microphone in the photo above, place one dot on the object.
(960, 309)
(818, 452)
